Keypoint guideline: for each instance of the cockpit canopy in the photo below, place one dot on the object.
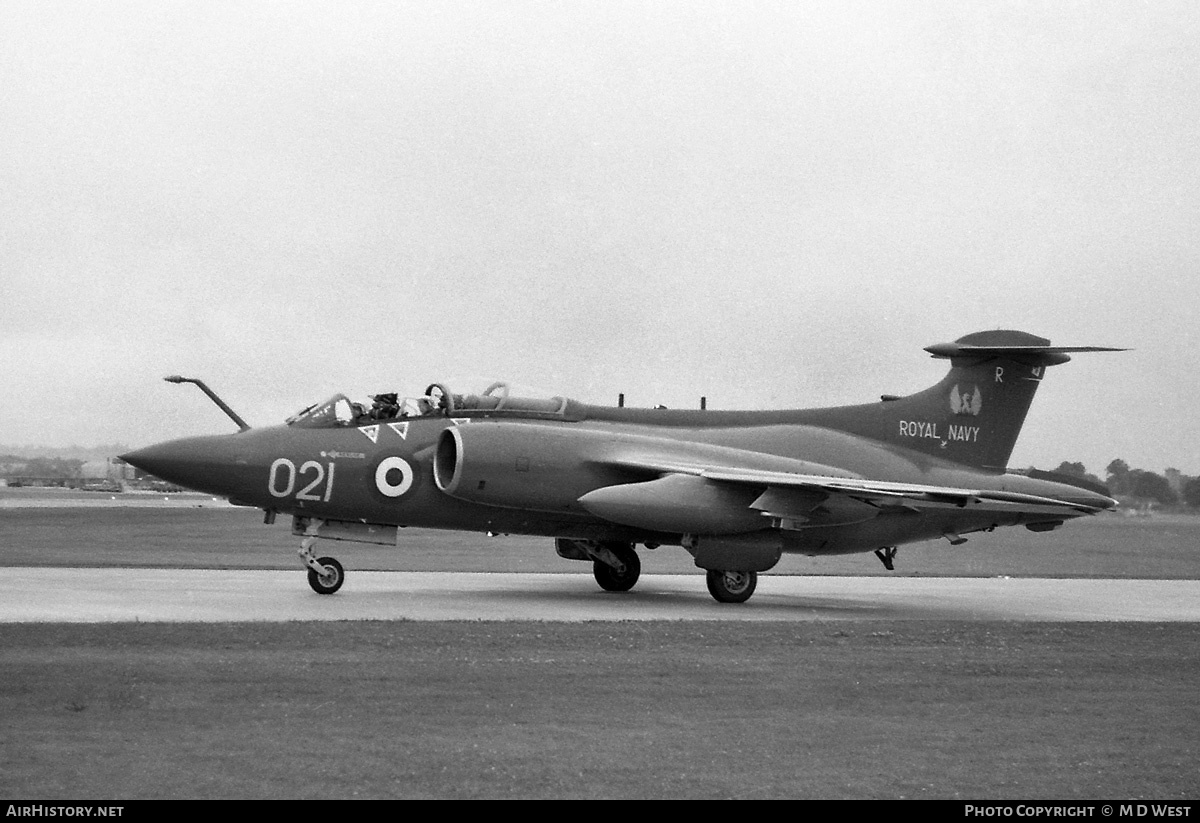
(336, 411)
(438, 401)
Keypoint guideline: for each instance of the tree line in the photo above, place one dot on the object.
(49, 468)
(1143, 485)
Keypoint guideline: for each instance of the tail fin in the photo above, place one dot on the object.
(973, 416)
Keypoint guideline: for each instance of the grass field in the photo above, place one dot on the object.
(463, 710)
(921, 709)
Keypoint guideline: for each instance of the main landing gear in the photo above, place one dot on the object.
(731, 587)
(325, 574)
(619, 569)
(615, 564)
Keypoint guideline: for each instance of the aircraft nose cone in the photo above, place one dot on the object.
(209, 464)
(155, 460)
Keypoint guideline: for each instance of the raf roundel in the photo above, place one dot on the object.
(393, 476)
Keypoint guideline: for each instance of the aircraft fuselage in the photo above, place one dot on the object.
(535, 472)
(737, 489)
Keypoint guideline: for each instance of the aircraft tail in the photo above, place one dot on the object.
(973, 416)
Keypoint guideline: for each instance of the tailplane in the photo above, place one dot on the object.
(973, 416)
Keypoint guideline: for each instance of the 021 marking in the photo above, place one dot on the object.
(322, 473)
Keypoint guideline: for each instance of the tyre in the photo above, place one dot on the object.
(612, 580)
(731, 587)
(331, 580)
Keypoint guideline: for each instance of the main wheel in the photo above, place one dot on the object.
(331, 580)
(612, 580)
(731, 587)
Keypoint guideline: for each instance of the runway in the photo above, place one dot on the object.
(107, 595)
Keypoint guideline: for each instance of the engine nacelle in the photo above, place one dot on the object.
(644, 482)
(521, 465)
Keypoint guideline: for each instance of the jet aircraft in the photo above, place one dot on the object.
(735, 489)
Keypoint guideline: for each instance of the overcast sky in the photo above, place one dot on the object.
(771, 204)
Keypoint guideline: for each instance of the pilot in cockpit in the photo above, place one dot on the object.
(417, 407)
(385, 407)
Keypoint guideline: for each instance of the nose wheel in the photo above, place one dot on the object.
(329, 579)
(325, 574)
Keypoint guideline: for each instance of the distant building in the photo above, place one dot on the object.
(94, 470)
(119, 470)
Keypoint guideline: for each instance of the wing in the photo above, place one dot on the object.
(697, 496)
(876, 490)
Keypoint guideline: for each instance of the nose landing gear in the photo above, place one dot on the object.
(329, 580)
(325, 574)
